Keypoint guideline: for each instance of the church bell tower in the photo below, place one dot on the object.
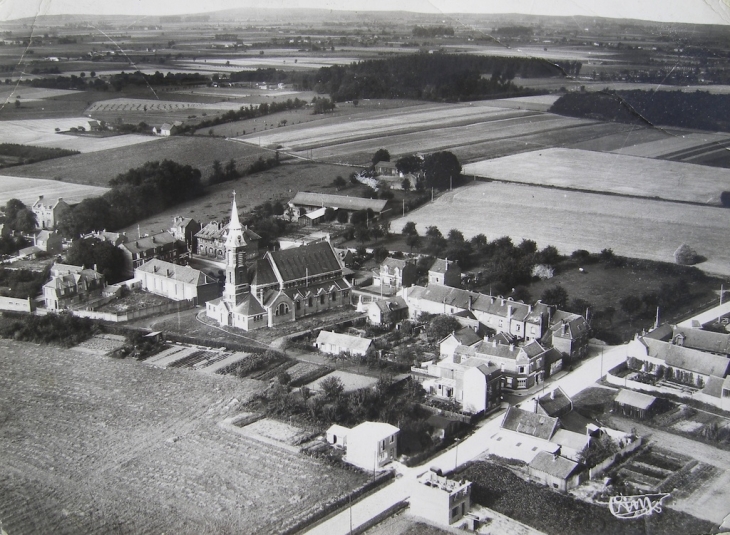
(236, 273)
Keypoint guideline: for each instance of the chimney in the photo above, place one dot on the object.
(502, 303)
(471, 301)
(552, 394)
(491, 299)
(563, 328)
(509, 312)
(511, 347)
(95, 268)
(494, 342)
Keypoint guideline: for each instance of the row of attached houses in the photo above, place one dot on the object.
(567, 332)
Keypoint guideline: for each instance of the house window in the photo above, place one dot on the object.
(299, 305)
(333, 296)
(522, 369)
(310, 302)
(501, 323)
(521, 383)
(321, 299)
(517, 327)
(532, 330)
(455, 511)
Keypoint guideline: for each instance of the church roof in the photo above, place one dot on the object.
(308, 260)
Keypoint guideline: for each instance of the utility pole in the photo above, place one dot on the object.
(404, 214)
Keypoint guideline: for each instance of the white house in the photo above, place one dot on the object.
(336, 343)
(371, 445)
(440, 499)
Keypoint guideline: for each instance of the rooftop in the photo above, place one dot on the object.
(634, 399)
(553, 465)
(338, 201)
(529, 423)
(184, 274)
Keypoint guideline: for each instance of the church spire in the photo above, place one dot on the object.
(235, 230)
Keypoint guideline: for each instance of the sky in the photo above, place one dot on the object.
(693, 11)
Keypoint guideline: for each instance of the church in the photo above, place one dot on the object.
(284, 286)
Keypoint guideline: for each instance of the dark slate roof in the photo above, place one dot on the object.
(442, 266)
(709, 341)
(389, 305)
(308, 260)
(663, 332)
(713, 387)
(552, 465)
(249, 306)
(399, 263)
(488, 349)
(306, 198)
(454, 297)
(499, 306)
(487, 370)
(264, 273)
(467, 336)
(556, 402)
(575, 326)
(688, 359)
(529, 423)
(216, 231)
(148, 242)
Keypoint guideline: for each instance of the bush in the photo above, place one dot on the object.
(543, 271)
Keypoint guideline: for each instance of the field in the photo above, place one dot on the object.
(199, 152)
(670, 144)
(277, 183)
(29, 189)
(25, 94)
(572, 220)
(97, 445)
(42, 132)
(609, 173)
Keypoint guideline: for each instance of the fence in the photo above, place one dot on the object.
(115, 317)
(16, 305)
(601, 467)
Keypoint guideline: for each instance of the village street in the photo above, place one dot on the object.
(471, 448)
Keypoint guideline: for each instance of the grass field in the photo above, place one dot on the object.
(200, 152)
(42, 132)
(29, 189)
(609, 173)
(574, 220)
(671, 144)
(95, 445)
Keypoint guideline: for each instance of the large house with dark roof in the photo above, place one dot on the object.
(211, 242)
(285, 286)
(162, 245)
(49, 214)
(72, 286)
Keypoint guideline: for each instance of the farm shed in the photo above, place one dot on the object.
(554, 471)
(337, 435)
(313, 201)
(635, 404)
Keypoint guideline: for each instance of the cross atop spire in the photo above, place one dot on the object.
(235, 223)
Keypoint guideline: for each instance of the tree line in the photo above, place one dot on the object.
(134, 195)
(699, 110)
(441, 77)
(243, 113)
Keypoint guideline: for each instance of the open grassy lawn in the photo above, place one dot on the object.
(498, 488)
(29, 189)
(95, 445)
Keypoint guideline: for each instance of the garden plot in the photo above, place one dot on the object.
(608, 173)
(387, 124)
(279, 431)
(29, 189)
(570, 220)
(672, 144)
(351, 381)
(90, 445)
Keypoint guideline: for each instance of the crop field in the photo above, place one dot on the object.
(627, 137)
(97, 445)
(221, 65)
(42, 132)
(200, 152)
(571, 220)
(413, 119)
(29, 189)
(609, 173)
(121, 105)
(26, 94)
(669, 145)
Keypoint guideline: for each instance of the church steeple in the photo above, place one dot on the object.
(236, 274)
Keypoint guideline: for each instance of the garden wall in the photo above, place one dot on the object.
(116, 317)
(16, 305)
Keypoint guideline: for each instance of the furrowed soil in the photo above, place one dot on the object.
(95, 445)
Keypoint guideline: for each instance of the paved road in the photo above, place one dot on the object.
(476, 445)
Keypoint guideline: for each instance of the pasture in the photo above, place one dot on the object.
(42, 132)
(29, 189)
(97, 445)
(570, 220)
(200, 152)
(608, 173)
